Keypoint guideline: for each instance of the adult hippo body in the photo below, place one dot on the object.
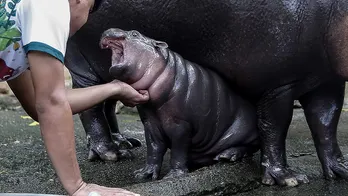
(272, 52)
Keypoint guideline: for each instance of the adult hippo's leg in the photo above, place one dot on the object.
(322, 108)
(331, 98)
(100, 144)
(122, 141)
(99, 141)
(273, 124)
(93, 120)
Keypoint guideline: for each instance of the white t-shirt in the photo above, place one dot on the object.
(27, 25)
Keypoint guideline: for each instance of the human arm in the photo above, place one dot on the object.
(79, 99)
(55, 117)
(47, 30)
(42, 90)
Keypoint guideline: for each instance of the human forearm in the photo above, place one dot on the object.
(81, 99)
(84, 98)
(57, 131)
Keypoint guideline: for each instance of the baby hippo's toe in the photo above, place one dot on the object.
(232, 154)
(175, 173)
(149, 171)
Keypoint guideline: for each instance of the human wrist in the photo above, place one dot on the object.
(74, 187)
(114, 89)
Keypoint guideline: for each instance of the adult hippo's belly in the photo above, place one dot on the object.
(271, 52)
(255, 44)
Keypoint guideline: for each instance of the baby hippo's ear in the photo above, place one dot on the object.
(159, 44)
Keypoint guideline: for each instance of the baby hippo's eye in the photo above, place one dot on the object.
(135, 34)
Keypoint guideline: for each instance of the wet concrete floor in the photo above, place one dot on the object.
(25, 168)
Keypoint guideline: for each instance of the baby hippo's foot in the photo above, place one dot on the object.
(336, 168)
(175, 173)
(124, 142)
(149, 171)
(107, 152)
(282, 176)
(232, 154)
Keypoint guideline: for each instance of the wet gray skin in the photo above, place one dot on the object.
(191, 110)
(270, 52)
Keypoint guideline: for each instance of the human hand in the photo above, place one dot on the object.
(129, 96)
(96, 190)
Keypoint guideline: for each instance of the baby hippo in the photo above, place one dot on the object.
(191, 110)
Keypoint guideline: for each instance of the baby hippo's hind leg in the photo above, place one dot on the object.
(242, 137)
(236, 153)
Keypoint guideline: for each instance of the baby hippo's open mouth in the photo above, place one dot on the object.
(115, 44)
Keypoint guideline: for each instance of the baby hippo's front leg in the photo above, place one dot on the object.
(180, 134)
(156, 147)
(154, 159)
